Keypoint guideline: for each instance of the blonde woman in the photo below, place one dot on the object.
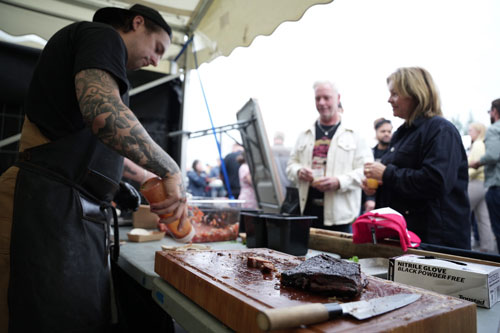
(424, 174)
(477, 191)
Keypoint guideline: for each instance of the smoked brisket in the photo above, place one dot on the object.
(325, 274)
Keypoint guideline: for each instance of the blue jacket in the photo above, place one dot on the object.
(197, 183)
(426, 180)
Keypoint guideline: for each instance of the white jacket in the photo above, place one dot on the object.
(347, 154)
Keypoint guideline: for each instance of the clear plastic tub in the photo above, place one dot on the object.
(214, 219)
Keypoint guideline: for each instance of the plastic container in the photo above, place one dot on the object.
(288, 233)
(214, 219)
(153, 190)
(255, 228)
(247, 210)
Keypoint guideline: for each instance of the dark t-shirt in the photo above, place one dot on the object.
(51, 102)
(378, 153)
(320, 152)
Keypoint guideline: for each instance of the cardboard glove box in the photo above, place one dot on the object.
(469, 281)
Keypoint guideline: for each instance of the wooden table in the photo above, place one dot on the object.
(137, 259)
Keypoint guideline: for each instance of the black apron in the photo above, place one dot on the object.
(60, 236)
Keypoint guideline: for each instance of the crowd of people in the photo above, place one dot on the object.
(209, 181)
(423, 170)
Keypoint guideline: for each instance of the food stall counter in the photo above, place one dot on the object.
(137, 260)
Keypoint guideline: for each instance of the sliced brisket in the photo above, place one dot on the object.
(326, 274)
(266, 266)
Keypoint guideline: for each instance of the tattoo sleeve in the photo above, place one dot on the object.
(116, 125)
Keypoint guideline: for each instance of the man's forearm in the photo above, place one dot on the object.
(136, 173)
(116, 125)
(136, 144)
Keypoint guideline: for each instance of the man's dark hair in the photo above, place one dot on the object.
(122, 19)
(193, 166)
(496, 104)
(379, 122)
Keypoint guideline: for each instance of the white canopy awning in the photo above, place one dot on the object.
(218, 26)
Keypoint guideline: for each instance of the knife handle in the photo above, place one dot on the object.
(294, 316)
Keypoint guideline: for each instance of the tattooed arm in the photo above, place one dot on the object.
(136, 173)
(117, 127)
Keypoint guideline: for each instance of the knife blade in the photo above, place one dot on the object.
(313, 313)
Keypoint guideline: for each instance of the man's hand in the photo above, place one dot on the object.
(325, 184)
(368, 191)
(474, 164)
(369, 205)
(374, 170)
(305, 174)
(127, 198)
(175, 203)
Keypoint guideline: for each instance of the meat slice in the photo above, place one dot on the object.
(325, 274)
(265, 266)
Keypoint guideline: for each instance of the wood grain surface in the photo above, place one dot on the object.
(222, 284)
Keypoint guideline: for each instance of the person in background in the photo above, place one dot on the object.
(424, 175)
(326, 163)
(215, 182)
(341, 109)
(477, 191)
(383, 134)
(55, 203)
(247, 191)
(232, 167)
(281, 156)
(197, 180)
(491, 162)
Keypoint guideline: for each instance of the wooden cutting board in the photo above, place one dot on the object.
(222, 284)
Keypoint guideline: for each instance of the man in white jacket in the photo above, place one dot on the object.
(326, 164)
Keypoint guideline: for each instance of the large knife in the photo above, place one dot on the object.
(317, 312)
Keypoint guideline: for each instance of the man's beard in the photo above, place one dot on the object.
(384, 143)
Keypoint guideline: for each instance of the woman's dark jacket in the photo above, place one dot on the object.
(426, 180)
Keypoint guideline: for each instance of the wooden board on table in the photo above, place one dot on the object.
(222, 284)
(342, 244)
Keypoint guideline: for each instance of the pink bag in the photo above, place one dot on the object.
(383, 223)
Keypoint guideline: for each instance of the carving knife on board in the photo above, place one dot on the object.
(313, 313)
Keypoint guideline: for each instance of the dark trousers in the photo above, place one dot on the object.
(493, 202)
(312, 209)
